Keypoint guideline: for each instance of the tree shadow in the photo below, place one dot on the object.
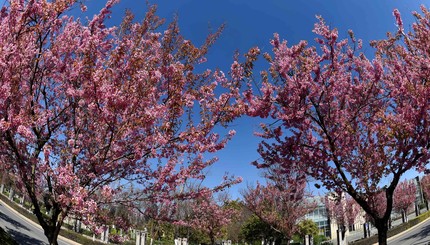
(12, 221)
(24, 239)
(424, 233)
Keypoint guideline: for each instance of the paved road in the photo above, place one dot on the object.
(417, 235)
(23, 231)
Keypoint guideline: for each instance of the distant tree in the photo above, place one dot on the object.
(352, 123)
(342, 209)
(281, 203)
(209, 216)
(404, 198)
(425, 185)
(234, 228)
(256, 230)
(307, 227)
(335, 207)
(352, 210)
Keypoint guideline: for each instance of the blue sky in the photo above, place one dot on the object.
(252, 23)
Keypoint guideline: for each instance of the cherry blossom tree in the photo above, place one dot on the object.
(352, 210)
(84, 107)
(281, 203)
(210, 216)
(335, 207)
(354, 124)
(342, 209)
(425, 185)
(404, 198)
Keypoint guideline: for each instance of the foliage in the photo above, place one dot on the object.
(84, 107)
(319, 239)
(211, 217)
(425, 185)
(281, 203)
(347, 121)
(352, 210)
(404, 196)
(235, 227)
(344, 209)
(255, 229)
(307, 227)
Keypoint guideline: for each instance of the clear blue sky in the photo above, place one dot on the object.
(253, 22)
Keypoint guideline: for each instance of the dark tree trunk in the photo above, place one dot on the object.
(403, 216)
(51, 226)
(382, 226)
(53, 229)
(212, 237)
(52, 235)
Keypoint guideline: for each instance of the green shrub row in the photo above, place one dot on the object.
(395, 230)
(78, 238)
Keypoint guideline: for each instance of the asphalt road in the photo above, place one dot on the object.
(22, 230)
(417, 235)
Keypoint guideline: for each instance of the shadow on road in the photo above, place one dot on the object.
(12, 222)
(425, 233)
(24, 239)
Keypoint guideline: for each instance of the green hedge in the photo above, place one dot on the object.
(78, 238)
(395, 230)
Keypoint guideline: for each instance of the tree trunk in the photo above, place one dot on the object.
(52, 226)
(212, 237)
(52, 234)
(382, 226)
(287, 240)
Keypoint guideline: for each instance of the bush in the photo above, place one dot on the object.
(87, 232)
(68, 226)
(79, 238)
(321, 239)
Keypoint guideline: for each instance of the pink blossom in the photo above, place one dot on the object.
(25, 132)
(399, 21)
